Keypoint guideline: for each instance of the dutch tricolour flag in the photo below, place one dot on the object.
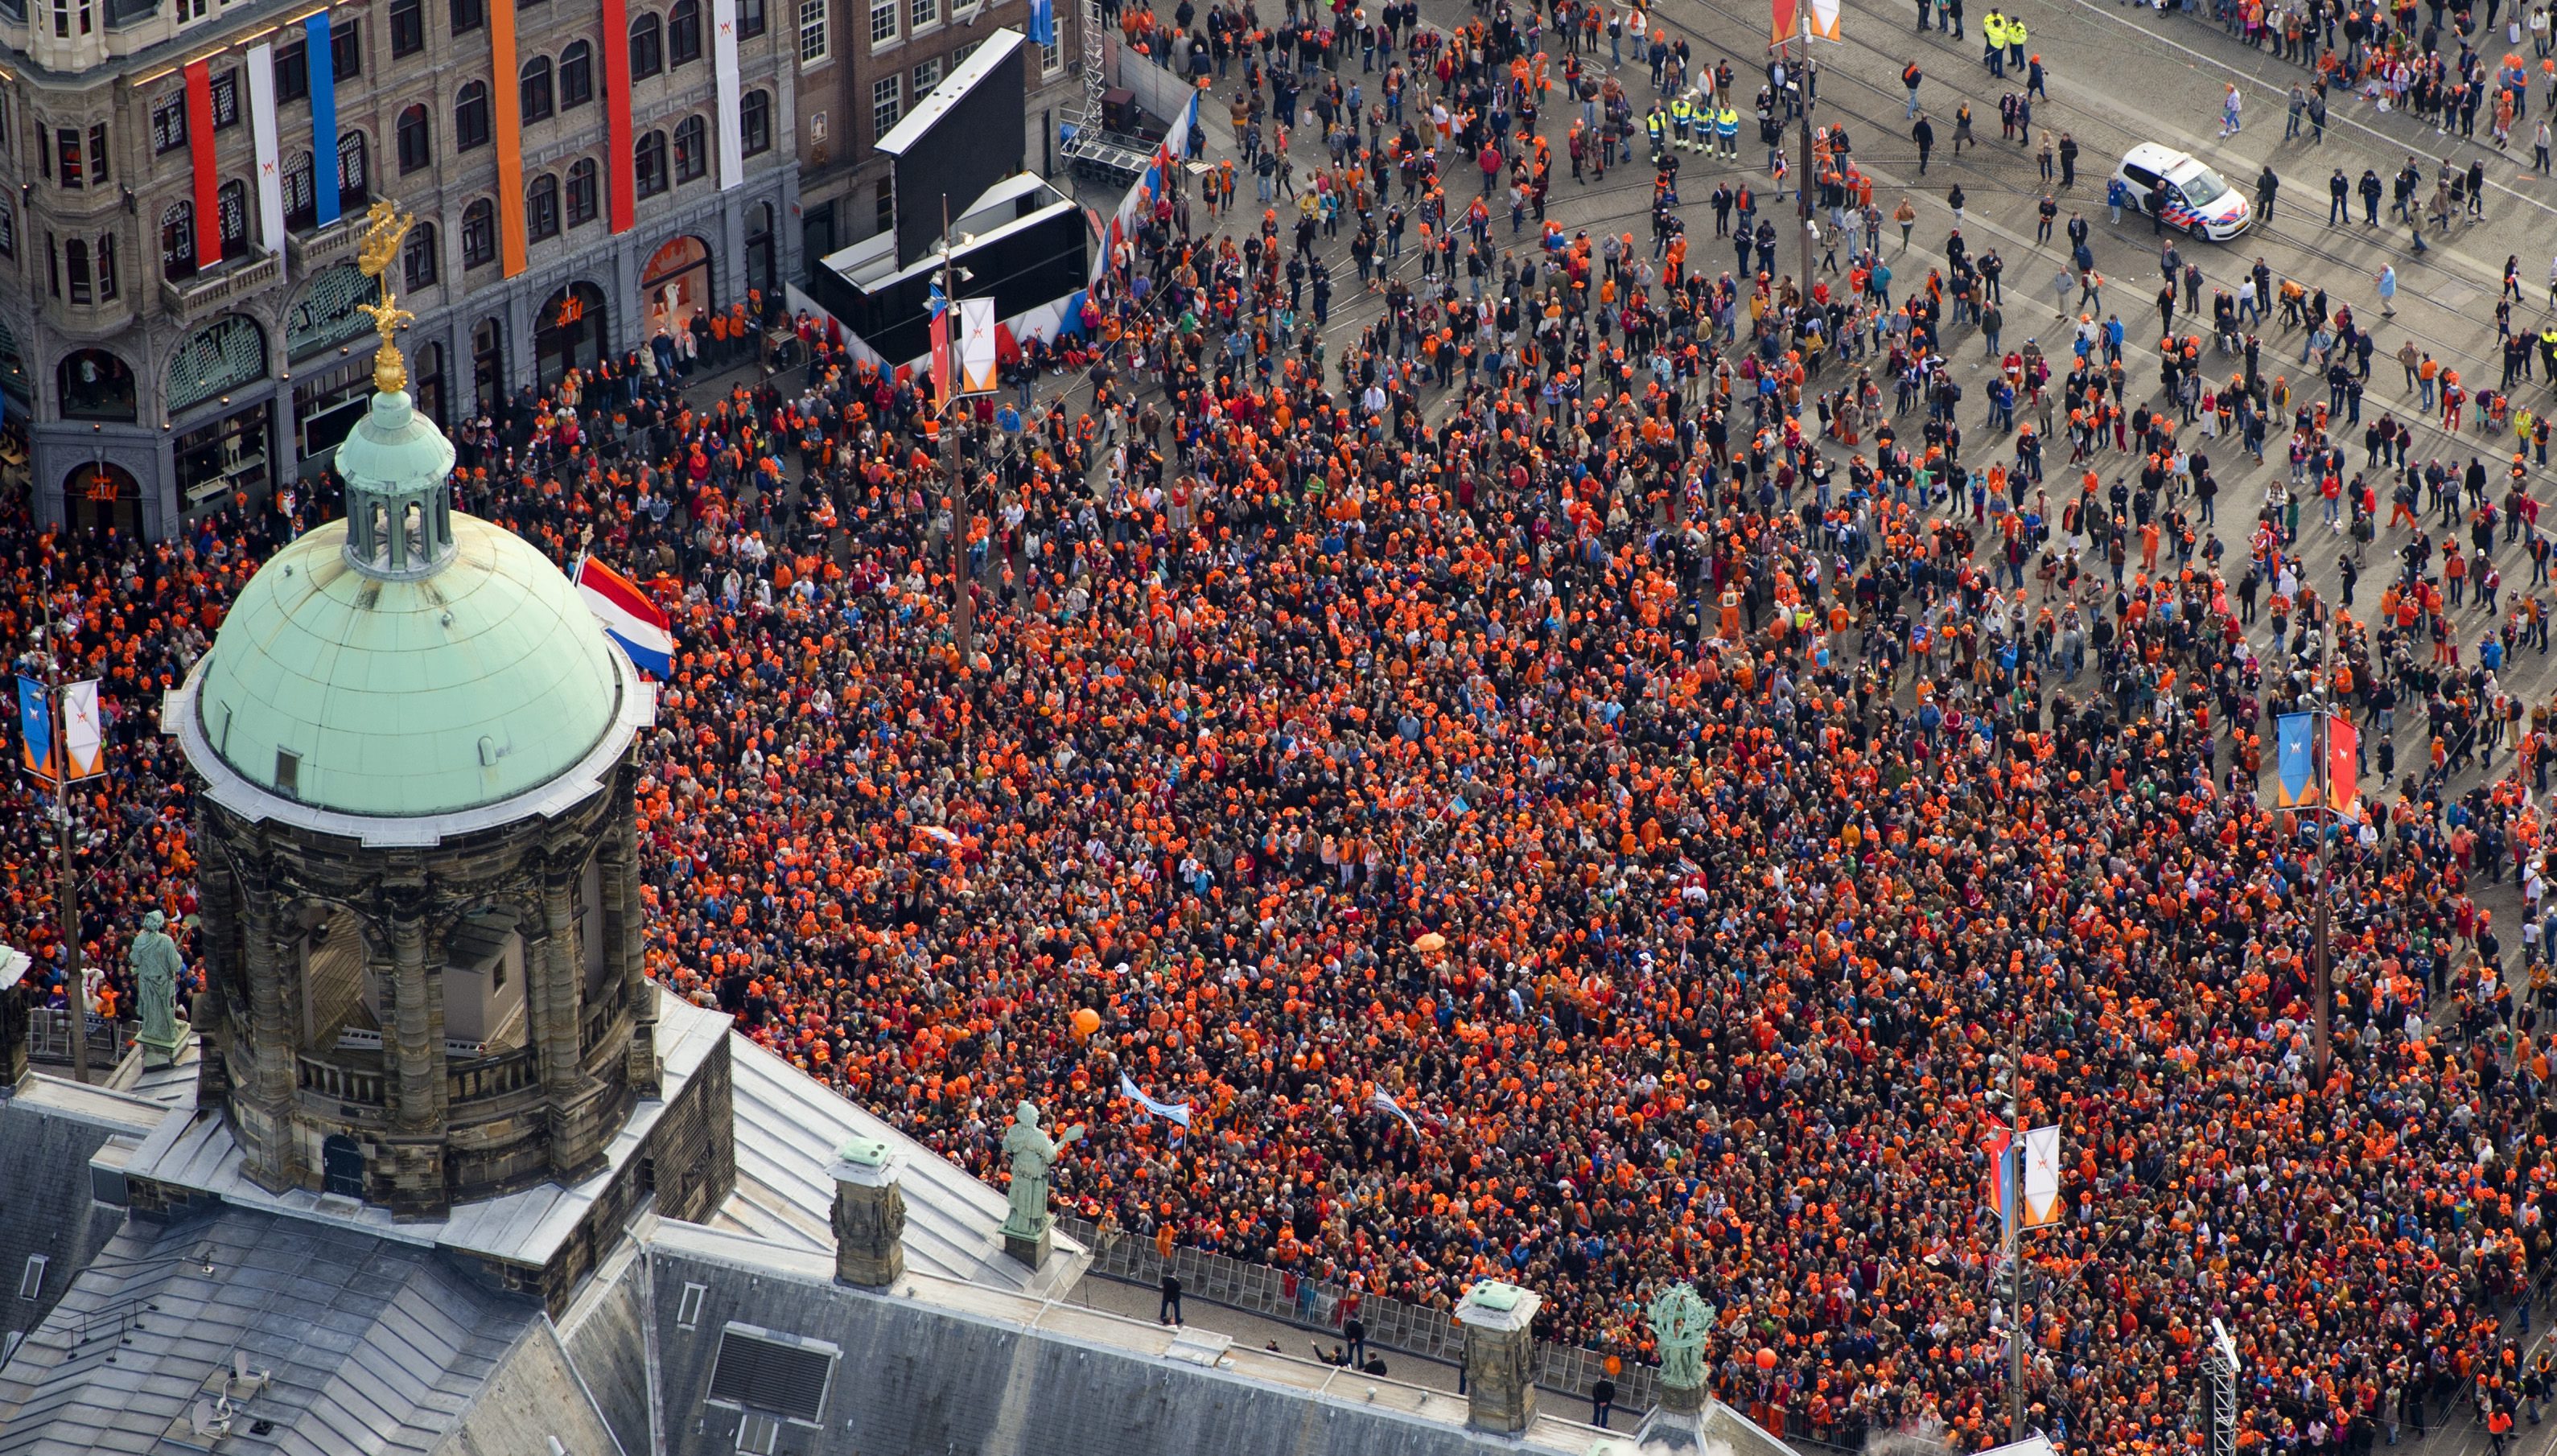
(628, 615)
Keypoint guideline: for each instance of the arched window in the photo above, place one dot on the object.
(649, 165)
(352, 172)
(542, 208)
(301, 201)
(692, 149)
(535, 83)
(416, 256)
(580, 192)
(479, 234)
(647, 47)
(575, 74)
(95, 384)
(231, 203)
(684, 31)
(178, 240)
(416, 140)
(471, 115)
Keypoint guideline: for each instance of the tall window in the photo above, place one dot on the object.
(408, 27)
(178, 240)
(750, 19)
(353, 176)
(416, 140)
(471, 115)
(692, 149)
(575, 74)
(580, 192)
(467, 14)
(815, 37)
(67, 153)
(684, 31)
(488, 363)
(97, 155)
(301, 199)
(542, 208)
(346, 47)
(921, 14)
(169, 122)
(479, 234)
(927, 74)
(883, 22)
(292, 71)
(754, 122)
(647, 47)
(75, 269)
(231, 204)
(650, 163)
(888, 103)
(535, 83)
(105, 267)
(417, 257)
(226, 99)
(64, 10)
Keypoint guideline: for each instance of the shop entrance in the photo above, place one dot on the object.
(103, 495)
(570, 332)
(677, 284)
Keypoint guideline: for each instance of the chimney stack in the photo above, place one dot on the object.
(869, 1214)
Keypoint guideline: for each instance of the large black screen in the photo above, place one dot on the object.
(976, 142)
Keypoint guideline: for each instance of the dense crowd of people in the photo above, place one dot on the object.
(1614, 776)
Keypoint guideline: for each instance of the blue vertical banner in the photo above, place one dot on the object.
(36, 731)
(322, 63)
(1043, 22)
(2295, 759)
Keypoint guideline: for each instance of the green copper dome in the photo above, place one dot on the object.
(409, 661)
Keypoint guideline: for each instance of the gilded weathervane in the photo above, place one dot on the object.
(384, 226)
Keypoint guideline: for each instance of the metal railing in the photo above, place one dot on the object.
(1316, 1304)
(48, 1039)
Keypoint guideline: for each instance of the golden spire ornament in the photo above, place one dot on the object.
(384, 227)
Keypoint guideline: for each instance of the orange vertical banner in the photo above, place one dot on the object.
(509, 135)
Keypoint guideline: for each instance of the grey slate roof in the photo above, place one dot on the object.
(788, 1128)
(943, 1367)
(49, 1133)
(373, 1346)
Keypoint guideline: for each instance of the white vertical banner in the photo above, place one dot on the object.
(83, 734)
(732, 135)
(977, 371)
(270, 173)
(2041, 1177)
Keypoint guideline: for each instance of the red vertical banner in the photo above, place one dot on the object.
(1788, 22)
(941, 357)
(200, 149)
(2343, 767)
(510, 136)
(621, 163)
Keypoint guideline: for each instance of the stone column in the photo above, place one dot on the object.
(870, 1215)
(554, 970)
(266, 1040)
(1500, 1355)
(413, 1065)
(625, 944)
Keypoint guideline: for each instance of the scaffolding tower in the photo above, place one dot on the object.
(2221, 1361)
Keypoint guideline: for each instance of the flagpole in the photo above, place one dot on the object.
(963, 611)
(2324, 1036)
(2015, 1241)
(67, 891)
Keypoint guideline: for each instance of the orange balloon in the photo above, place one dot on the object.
(1615, 1366)
(1086, 1022)
(1766, 1358)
